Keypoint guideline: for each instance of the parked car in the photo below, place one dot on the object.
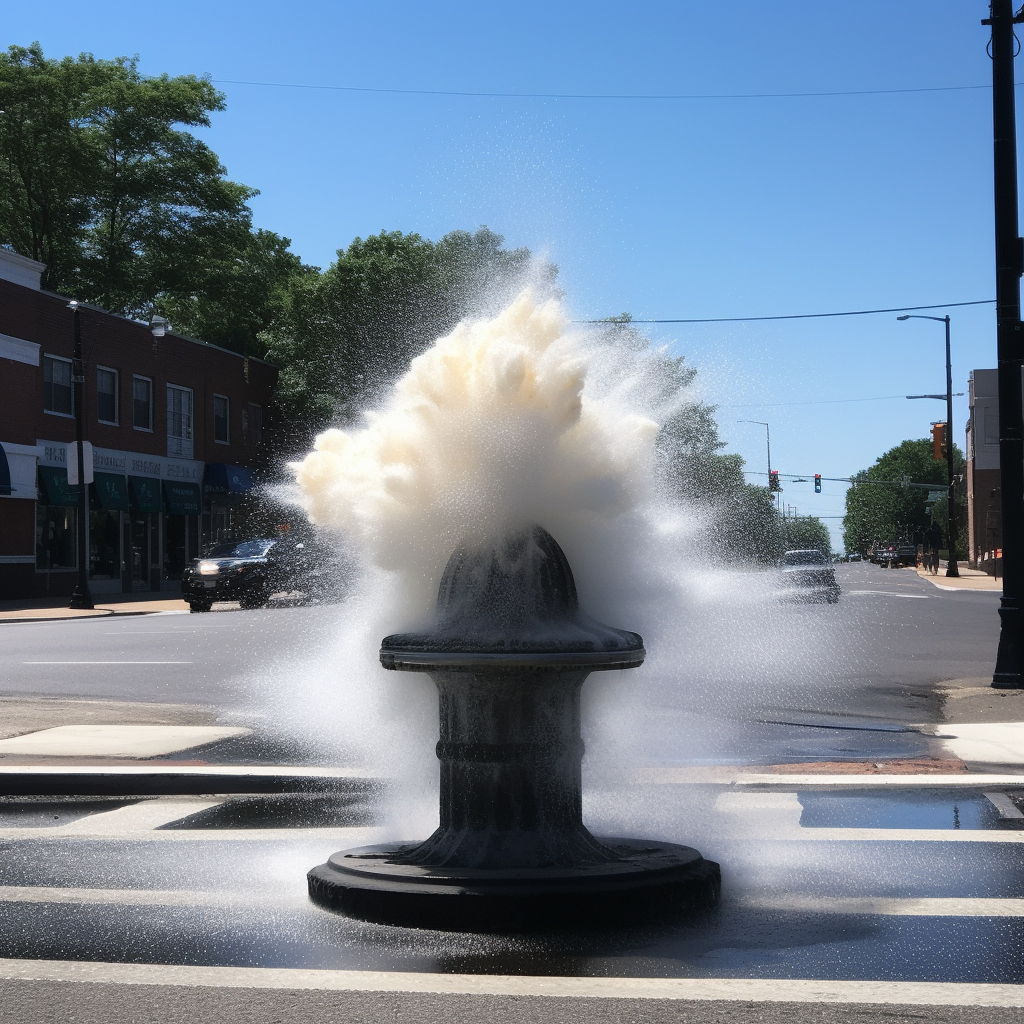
(251, 571)
(808, 575)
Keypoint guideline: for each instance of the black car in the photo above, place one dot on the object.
(250, 571)
(807, 575)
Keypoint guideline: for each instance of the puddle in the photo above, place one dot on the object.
(292, 810)
(44, 812)
(942, 809)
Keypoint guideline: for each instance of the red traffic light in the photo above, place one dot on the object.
(817, 483)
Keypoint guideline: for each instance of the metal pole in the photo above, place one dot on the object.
(1009, 670)
(951, 536)
(81, 598)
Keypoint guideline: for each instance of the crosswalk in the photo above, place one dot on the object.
(816, 905)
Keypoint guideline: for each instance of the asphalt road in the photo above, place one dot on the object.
(737, 681)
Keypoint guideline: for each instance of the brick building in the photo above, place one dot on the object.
(984, 511)
(174, 425)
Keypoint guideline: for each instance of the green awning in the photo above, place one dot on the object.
(109, 491)
(53, 482)
(182, 499)
(145, 494)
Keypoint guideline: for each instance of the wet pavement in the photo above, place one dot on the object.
(804, 896)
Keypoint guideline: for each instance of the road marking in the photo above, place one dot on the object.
(884, 906)
(117, 740)
(331, 838)
(145, 897)
(837, 905)
(888, 593)
(106, 663)
(1007, 809)
(773, 990)
(148, 814)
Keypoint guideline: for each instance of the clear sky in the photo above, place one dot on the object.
(666, 208)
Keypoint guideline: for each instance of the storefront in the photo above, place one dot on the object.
(224, 487)
(143, 526)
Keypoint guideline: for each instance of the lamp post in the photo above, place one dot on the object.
(768, 443)
(82, 597)
(951, 538)
(1009, 670)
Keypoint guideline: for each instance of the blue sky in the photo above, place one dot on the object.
(665, 208)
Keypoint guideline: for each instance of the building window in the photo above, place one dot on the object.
(57, 393)
(56, 537)
(255, 426)
(991, 417)
(220, 420)
(106, 395)
(142, 403)
(179, 422)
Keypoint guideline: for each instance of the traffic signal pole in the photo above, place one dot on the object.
(1009, 670)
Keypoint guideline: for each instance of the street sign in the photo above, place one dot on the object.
(72, 458)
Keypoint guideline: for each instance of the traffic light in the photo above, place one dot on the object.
(939, 440)
(817, 483)
(773, 480)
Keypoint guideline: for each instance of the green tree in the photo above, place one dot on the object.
(349, 332)
(805, 532)
(101, 181)
(244, 292)
(879, 506)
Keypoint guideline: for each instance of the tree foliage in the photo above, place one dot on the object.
(799, 532)
(879, 506)
(101, 181)
(349, 332)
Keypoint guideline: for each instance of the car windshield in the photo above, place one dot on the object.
(240, 549)
(810, 557)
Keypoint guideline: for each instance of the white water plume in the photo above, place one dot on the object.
(519, 419)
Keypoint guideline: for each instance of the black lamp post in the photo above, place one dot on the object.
(951, 538)
(1009, 670)
(82, 597)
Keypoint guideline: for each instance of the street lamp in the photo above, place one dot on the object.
(951, 567)
(82, 597)
(768, 442)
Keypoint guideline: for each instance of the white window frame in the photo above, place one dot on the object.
(227, 418)
(186, 445)
(149, 381)
(116, 421)
(53, 412)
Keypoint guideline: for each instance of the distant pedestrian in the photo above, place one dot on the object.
(932, 542)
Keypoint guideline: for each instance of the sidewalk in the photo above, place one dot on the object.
(41, 609)
(969, 579)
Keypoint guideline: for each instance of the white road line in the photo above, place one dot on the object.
(884, 906)
(837, 905)
(106, 663)
(334, 838)
(145, 815)
(887, 593)
(774, 990)
(145, 897)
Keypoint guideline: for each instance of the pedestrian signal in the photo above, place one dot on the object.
(773, 480)
(817, 483)
(939, 440)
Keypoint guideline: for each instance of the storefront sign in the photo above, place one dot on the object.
(110, 460)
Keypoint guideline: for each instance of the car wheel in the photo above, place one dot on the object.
(200, 606)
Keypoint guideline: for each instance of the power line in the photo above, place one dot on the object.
(470, 94)
(823, 401)
(788, 316)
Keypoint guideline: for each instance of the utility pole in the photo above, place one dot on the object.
(1009, 671)
(81, 598)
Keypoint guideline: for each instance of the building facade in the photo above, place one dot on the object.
(173, 428)
(984, 512)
